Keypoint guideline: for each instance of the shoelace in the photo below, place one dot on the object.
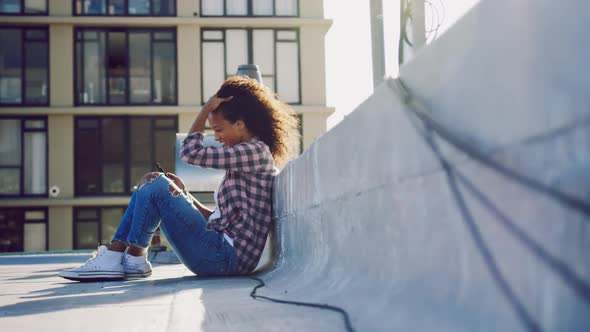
(94, 256)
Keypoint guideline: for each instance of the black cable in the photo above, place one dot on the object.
(478, 239)
(306, 304)
(568, 275)
(418, 109)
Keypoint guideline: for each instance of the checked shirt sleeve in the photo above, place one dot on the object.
(243, 157)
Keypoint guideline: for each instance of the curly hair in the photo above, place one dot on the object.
(272, 121)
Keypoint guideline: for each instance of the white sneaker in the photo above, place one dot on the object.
(105, 265)
(136, 266)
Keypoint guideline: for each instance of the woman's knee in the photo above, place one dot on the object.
(147, 178)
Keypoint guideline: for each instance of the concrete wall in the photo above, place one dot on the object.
(368, 220)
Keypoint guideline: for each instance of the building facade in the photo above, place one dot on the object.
(93, 92)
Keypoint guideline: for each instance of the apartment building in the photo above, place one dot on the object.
(93, 92)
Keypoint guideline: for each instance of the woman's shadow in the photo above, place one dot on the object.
(61, 294)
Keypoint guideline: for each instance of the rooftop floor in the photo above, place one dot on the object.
(34, 298)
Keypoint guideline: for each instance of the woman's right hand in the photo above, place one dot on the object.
(213, 103)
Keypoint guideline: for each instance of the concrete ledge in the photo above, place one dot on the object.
(368, 220)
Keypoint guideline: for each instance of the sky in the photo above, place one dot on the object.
(348, 47)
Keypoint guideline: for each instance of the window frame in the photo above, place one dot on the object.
(126, 14)
(126, 31)
(98, 220)
(250, 34)
(250, 7)
(22, 211)
(23, 85)
(128, 182)
(21, 167)
(23, 13)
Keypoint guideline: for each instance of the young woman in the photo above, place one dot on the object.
(257, 132)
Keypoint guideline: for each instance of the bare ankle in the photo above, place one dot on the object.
(136, 251)
(117, 246)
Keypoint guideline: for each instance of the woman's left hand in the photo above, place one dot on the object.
(177, 181)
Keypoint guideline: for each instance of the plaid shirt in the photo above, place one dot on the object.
(245, 194)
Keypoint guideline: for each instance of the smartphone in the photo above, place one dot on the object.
(160, 168)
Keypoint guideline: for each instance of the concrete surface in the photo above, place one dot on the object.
(370, 221)
(34, 298)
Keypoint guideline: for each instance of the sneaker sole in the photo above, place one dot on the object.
(95, 276)
(138, 275)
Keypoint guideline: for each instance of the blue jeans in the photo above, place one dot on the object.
(159, 202)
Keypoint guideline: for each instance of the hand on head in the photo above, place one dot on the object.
(214, 102)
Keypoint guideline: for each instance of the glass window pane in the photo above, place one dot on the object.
(36, 77)
(163, 7)
(167, 123)
(92, 35)
(113, 178)
(169, 36)
(35, 6)
(35, 237)
(34, 215)
(212, 35)
(164, 73)
(35, 163)
(94, 87)
(10, 66)
(286, 7)
(87, 214)
(140, 72)
(286, 35)
(116, 7)
(10, 181)
(212, 7)
(34, 124)
(288, 72)
(139, 7)
(96, 7)
(113, 155)
(9, 6)
(236, 49)
(262, 7)
(263, 49)
(79, 84)
(36, 34)
(86, 235)
(270, 83)
(111, 217)
(11, 221)
(87, 123)
(165, 148)
(10, 142)
(140, 148)
(213, 68)
(237, 7)
(87, 159)
(117, 67)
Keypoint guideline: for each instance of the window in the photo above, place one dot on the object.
(113, 153)
(94, 225)
(24, 69)
(249, 7)
(125, 8)
(23, 7)
(23, 157)
(125, 66)
(275, 51)
(300, 127)
(23, 229)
